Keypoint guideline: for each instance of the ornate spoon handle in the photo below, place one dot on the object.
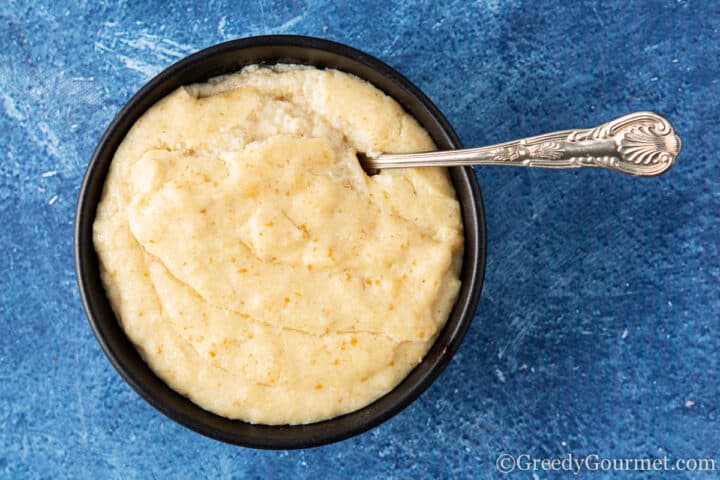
(642, 143)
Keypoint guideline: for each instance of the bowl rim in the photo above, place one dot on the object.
(285, 436)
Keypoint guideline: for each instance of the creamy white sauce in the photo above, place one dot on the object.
(255, 266)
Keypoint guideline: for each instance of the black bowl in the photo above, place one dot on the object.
(229, 57)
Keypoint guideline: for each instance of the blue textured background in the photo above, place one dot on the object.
(598, 326)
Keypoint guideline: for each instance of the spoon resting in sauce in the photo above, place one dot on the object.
(640, 144)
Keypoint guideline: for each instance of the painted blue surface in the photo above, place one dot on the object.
(598, 326)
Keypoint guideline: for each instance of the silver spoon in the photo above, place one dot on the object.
(641, 143)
